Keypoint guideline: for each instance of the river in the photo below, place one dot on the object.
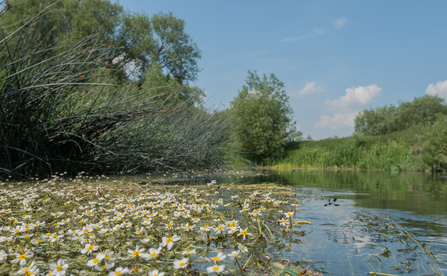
(338, 242)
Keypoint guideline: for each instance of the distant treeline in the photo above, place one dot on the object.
(411, 136)
(421, 112)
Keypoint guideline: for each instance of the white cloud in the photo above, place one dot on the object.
(356, 96)
(310, 88)
(339, 23)
(440, 89)
(339, 120)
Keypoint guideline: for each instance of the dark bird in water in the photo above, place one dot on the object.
(335, 199)
(330, 203)
(293, 171)
(336, 205)
(325, 204)
(329, 200)
(218, 188)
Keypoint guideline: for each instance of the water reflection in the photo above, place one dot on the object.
(416, 201)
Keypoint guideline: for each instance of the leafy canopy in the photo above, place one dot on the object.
(263, 117)
(388, 119)
(138, 41)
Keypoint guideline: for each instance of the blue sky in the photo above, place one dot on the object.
(335, 58)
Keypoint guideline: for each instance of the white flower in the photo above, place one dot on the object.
(289, 214)
(3, 255)
(89, 249)
(215, 269)
(138, 253)
(234, 254)
(119, 271)
(22, 258)
(106, 255)
(96, 260)
(244, 233)
(58, 268)
(220, 257)
(242, 248)
(156, 273)
(153, 253)
(219, 229)
(189, 252)
(104, 267)
(169, 242)
(29, 270)
(181, 264)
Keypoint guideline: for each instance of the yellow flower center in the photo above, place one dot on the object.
(181, 264)
(154, 254)
(169, 240)
(59, 268)
(216, 268)
(90, 248)
(22, 257)
(118, 272)
(96, 260)
(244, 232)
(136, 253)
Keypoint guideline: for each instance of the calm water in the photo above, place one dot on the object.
(417, 202)
(338, 243)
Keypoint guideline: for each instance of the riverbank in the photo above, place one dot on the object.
(397, 152)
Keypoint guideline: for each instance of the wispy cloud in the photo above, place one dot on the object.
(440, 89)
(315, 32)
(339, 23)
(310, 88)
(297, 38)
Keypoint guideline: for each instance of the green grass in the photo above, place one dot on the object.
(396, 151)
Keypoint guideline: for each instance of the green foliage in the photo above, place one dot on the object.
(166, 87)
(263, 117)
(135, 40)
(435, 147)
(60, 113)
(388, 152)
(388, 119)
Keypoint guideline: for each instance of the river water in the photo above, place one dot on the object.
(337, 243)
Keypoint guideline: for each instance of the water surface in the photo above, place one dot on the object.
(416, 202)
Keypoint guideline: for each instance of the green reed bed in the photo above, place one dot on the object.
(60, 226)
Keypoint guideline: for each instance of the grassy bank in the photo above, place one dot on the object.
(397, 151)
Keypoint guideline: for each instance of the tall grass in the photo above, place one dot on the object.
(398, 151)
(56, 117)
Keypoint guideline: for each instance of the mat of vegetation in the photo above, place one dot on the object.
(75, 227)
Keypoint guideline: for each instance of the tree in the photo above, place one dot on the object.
(263, 117)
(136, 40)
(434, 152)
(387, 119)
(167, 87)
